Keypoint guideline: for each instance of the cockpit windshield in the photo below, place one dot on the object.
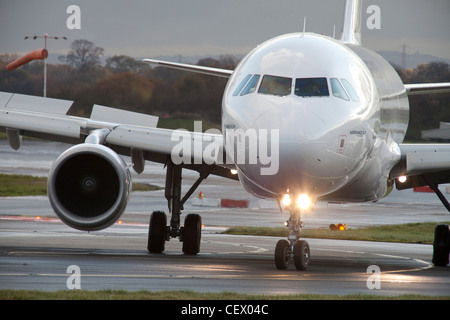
(251, 85)
(304, 87)
(311, 87)
(279, 86)
(338, 90)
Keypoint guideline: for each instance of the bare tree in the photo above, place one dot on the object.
(84, 55)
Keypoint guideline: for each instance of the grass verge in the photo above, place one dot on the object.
(13, 185)
(407, 233)
(188, 295)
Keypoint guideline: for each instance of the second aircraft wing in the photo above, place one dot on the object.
(224, 73)
(427, 88)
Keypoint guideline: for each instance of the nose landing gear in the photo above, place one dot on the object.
(293, 248)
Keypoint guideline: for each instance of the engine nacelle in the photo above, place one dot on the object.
(89, 187)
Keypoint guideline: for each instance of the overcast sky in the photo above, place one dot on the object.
(149, 28)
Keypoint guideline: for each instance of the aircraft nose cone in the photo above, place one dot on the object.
(295, 125)
(301, 135)
(301, 145)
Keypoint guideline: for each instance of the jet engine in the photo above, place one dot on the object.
(89, 186)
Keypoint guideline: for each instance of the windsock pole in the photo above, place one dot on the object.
(39, 54)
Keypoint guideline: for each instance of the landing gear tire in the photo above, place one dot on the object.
(284, 251)
(282, 254)
(157, 232)
(301, 255)
(441, 245)
(192, 233)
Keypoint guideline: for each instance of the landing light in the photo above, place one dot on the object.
(233, 171)
(303, 202)
(402, 179)
(286, 201)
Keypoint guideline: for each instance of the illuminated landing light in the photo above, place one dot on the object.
(233, 171)
(304, 202)
(286, 201)
(402, 179)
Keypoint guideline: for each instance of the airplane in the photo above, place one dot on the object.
(332, 113)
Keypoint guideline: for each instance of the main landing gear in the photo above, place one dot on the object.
(190, 234)
(441, 244)
(293, 248)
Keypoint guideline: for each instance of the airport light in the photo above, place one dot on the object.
(342, 227)
(339, 226)
(45, 37)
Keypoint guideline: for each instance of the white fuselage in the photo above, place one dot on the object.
(339, 112)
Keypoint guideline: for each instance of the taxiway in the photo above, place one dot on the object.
(35, 253)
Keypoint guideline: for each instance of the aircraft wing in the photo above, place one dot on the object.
(427, 88)
(224, 73)
(423, 164)
(127, 133)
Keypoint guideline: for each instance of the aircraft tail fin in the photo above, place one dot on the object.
(351, 30)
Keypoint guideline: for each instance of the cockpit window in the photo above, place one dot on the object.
(242, 84)
(251, 86)
(338, 90)
(279, 86)
(350, 90)
(311, 87)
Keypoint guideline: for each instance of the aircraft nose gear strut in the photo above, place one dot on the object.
(293, 248)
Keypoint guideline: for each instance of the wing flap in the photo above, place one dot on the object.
(23, 102)
(113, 115)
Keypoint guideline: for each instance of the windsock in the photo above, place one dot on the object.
(37, 54)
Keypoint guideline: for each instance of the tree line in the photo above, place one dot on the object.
(126, 83)
(121, 82)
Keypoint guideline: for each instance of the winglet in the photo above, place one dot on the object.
(351, 30)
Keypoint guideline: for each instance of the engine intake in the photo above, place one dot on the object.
(89, 187)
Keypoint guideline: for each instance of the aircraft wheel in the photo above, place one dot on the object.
(441, 245)
(192, 234)
(301, 255)
(282, 254)
(156, 232)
